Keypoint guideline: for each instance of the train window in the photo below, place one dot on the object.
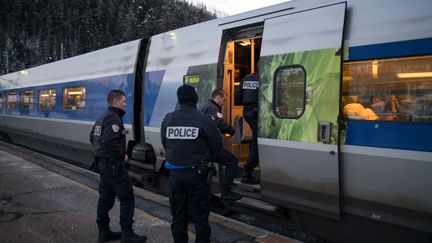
(74, 98)
(1, 102)
(11, 101)
(397, 89)
(289, 91)
(47, 99)
(26, 100)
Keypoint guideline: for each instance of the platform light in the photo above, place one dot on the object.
(415, 75)
(23, 72)
(173, 35)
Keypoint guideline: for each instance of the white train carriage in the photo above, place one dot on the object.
(53, 107)
(345, 105)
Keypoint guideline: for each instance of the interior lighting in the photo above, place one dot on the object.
(44, 95)
(245, 43)
(415, 75)
(75, 93)
(375, 69)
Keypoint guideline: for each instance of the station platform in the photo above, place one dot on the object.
(46, 200)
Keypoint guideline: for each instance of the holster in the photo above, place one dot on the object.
(116, 166)
(202, 167)
(211, 172)
(206, 168)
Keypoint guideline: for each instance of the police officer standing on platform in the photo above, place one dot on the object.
(213, 108)
(248, 95)
(190, 138)
(109, 145)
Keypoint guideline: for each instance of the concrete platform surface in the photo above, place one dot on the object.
(39, 205)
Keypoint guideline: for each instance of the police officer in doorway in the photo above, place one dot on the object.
(190, 138)
(213, 108)
(109, 144)
(248, 95)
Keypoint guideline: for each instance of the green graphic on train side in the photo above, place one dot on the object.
(322, 95)
(203, 79)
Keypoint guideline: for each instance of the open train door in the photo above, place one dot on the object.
(298, 133)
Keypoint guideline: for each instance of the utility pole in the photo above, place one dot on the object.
(61, 50)
(7, 61)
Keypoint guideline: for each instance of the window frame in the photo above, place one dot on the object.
(405, 99)
(7, 101)
(3, 102)
(275, 90)
(64, 97)
(21, 102)
(39, 100)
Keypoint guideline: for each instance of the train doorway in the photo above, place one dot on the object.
(242, 51)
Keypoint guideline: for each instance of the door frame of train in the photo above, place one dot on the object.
(138, 101)
(296, 170)
(250, 31)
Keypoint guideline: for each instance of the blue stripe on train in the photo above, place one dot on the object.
(96, 102)
(394, 135)
(391, 49)
(153, 81)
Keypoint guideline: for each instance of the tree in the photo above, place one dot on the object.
(32, 32)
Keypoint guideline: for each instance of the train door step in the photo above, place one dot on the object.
(252, 191)
(246, 187)
(254, 203)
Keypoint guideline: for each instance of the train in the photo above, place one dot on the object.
(344, 113)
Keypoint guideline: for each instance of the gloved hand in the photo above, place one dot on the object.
(231, 131)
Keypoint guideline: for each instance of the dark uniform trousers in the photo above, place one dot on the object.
(187, 186)
(111, 186)
(250, 115)
(227, 159)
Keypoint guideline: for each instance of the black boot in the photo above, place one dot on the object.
(108, 235)
(131, 237)
(249, 179)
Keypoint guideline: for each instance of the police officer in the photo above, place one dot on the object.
(213, 108)
(109, 144)
(190, 138)
(248, 95)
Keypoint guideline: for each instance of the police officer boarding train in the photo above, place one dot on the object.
(247, 94)
(109, 144)
(213, 108)
(190, 139)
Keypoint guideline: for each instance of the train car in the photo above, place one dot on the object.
(53, 107)
(345, 108)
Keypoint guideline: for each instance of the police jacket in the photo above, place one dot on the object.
(212, 109)
(189, 136)
(247, 92)
(108, 135)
